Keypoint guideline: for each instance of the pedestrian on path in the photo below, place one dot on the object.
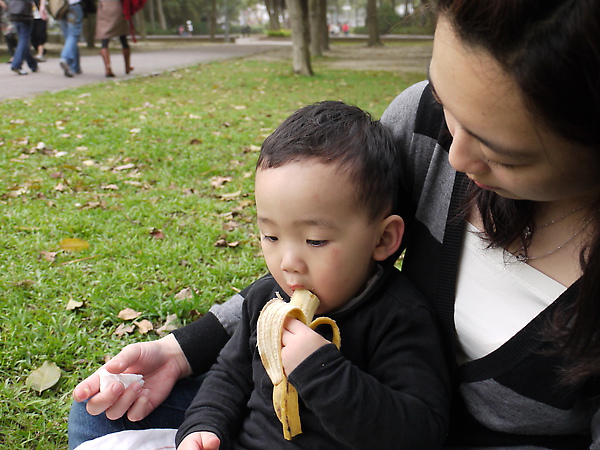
(110, 23)
(21, 15)
(71, 25)
(39, 33)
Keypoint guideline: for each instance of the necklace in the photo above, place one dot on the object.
(522, 255)
(527, 232)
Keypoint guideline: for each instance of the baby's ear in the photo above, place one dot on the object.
(392, 230)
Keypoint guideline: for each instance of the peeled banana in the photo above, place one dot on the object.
(302, 306)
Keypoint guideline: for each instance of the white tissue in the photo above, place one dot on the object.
(107, 378)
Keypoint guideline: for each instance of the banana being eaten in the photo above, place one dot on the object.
(302, 306)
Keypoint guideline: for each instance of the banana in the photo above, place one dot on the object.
(302, 306)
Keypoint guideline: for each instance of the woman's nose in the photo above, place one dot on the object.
(465, 154)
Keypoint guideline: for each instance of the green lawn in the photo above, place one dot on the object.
(152, 173)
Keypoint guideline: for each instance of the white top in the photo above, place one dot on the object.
(496, 296)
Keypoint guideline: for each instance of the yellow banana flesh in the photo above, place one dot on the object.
(302, 306)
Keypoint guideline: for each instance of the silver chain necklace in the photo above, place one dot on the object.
(527, 232)
(522, 255)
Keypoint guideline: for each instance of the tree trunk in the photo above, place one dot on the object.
(372, 24)
(323, 24)
(161, 15)
(314, 25)
(298, 12)
(274, 11)
(212, 20)
(152, 5)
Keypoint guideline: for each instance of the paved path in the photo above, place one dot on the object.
(50, 76)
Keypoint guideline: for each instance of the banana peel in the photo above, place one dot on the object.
(302, 306)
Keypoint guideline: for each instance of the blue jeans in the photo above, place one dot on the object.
(170, 414)
(71, 26)
(22, 52)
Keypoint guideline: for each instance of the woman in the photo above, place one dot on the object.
(501, 168)
(111, 23)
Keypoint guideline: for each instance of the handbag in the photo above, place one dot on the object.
(20, 10)
(58, 8)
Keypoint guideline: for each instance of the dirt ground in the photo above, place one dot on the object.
(394, 57)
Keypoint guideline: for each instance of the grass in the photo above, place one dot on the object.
(151, 173)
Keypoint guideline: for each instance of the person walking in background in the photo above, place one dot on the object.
(21, 15)
(71, 25)
(8, 30)
(110, 23)
(39, 34)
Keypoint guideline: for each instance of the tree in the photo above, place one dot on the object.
(372, 25)
(274, 11)
(315, 24)
(298, 12)
(161, 15)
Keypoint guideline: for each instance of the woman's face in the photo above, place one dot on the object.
(495, 141)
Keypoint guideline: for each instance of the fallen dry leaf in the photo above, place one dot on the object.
(230, 196)
(124, 329)
(184, 294)
(44, 377)
(144, 326)
(218, 182)
(128, 314)
(73, 304)
(47, 256)
(231, 225)
(74, 244)
(157, 234)
(171, 323)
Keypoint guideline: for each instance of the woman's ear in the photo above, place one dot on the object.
(392, 230)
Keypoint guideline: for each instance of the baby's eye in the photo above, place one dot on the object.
(316, 243)
(270, 238)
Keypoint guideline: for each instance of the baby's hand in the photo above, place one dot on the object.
(299, 341)
(203, 440)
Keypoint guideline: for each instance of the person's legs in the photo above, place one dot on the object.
(85, 427)
(71, 28)
(22, 51)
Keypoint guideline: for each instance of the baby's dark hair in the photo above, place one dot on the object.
(333, 132)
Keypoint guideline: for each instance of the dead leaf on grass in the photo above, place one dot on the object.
(218, 182)
(44, 377)
(47, 256)
(124, 329)
(223, 243)
(184, 294)
(74, 244)
(157, 234)
(171, 323)
(25, 283)
(128, 314)
(231, 225)
(73, 304)
(231, 196)
(144, 326)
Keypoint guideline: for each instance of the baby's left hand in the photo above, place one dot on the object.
(203, 440)
(299, 341)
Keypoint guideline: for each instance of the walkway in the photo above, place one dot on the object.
(50, 77)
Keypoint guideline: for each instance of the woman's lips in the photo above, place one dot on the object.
(484, 186)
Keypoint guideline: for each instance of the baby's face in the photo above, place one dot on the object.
(313, 234)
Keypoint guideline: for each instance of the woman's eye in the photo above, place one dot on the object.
(489, 162)
(270, 238)
(315, 242)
